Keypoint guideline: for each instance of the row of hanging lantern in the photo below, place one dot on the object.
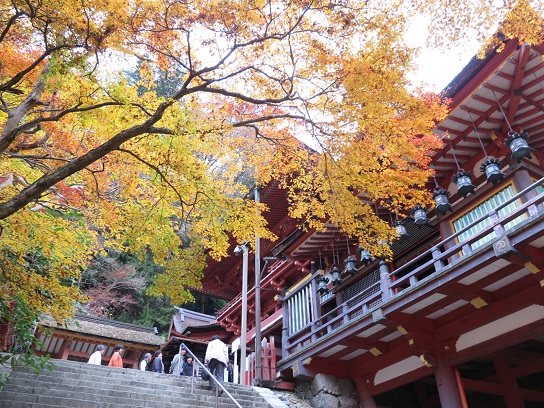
(365, 258)
(516, 141)
(336, 273)
(419, 215)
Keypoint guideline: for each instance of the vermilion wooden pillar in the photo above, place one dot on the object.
(366, 401)
(512, 394)
(65, 349)
(135, 362)
(448, 389)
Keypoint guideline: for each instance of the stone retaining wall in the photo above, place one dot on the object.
(327, 391)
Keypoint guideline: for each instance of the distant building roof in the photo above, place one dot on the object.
(106, 328)
(184, 319)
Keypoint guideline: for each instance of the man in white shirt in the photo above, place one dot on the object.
(96, 357)
(144, 364)
(217, 355)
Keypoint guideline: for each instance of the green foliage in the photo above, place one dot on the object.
(18, 315)
(205, 304)
(144, 309)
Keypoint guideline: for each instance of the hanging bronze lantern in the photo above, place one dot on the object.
(440, 196)
(491, 168)
(401, 231)
(366, 258)
(420, 215)
(464, 183)
(517, 142)
(350, 261)
(335, 275)
(322, 283)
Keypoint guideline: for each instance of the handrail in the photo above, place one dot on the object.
(217, 383)
(326, 322)
(495, 210)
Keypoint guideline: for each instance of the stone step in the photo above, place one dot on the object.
(97, 393)
(136, 386)
(80, 385)
(12, 399)
(69, 366)
(88, 369)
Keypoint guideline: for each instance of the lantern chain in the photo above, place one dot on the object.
(502, 111)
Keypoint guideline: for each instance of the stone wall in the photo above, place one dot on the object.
(327, 391)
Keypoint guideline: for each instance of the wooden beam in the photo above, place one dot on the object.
(65, 350)
(373, 364)
(416, 324)
(499, 343)
(482, 387)
(529, 368)
(532, 395)
(517, 301)
(446, 382)
(515, 85)
(478, 298)
(364, 396)
(498, 389)
(512, 396)
(400, 381)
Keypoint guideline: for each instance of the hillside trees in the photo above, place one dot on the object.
(117, 284)
(88, 157)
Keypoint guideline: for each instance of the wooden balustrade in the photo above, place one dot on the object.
(304, 324)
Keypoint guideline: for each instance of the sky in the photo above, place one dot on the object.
(436, 69)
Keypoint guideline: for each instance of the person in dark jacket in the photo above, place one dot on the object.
(177, 362)
(230, 371)
(158, 366)
(188, 368)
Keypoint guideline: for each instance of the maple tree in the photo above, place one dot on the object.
(112, 286)
(88, 157)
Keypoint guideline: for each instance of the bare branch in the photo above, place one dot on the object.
(160, 173)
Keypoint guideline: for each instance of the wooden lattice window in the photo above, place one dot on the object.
(484, 208)
(362, 289)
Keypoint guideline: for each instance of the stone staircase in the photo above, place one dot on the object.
(80, 385)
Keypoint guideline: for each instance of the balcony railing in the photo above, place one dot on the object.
(303, 324)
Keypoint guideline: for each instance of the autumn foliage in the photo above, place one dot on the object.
(225, 92)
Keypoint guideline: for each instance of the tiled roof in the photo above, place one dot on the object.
(111, 329)
(187, 318)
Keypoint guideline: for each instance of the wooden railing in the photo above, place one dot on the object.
(303, 326)
(268, 363)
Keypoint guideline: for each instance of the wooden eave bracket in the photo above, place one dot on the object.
(536, 271)
(477, 298)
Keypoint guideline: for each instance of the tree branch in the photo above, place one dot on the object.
(34, 191)
(160, 173)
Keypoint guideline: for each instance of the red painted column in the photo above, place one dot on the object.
(135, 362)
(512, 395)
(447, 384)
(460, 387)
(366, 401)
(65, 351)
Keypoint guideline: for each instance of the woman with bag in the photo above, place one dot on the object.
(217, 355)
